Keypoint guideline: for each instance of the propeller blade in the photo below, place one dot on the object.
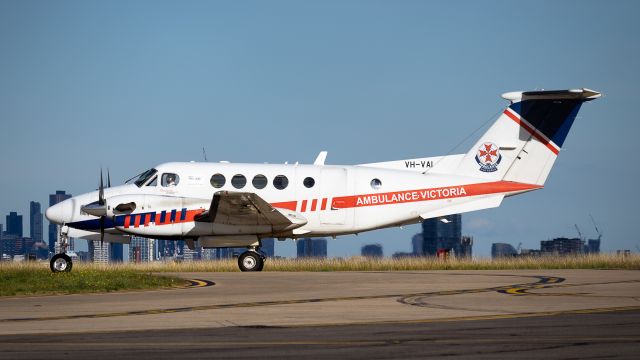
(101, 230)
(108, 179)
(101, 191)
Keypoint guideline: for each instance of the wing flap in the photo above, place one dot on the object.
(244, 208)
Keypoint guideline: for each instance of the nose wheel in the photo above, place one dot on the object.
(60, 263)
(251, 261)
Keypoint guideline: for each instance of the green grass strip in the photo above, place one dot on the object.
(31, 279)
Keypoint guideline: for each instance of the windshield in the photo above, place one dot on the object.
(145, 176)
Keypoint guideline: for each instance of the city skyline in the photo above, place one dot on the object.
(110, 85)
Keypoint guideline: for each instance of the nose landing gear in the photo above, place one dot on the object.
(61, 262)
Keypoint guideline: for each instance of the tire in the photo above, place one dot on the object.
(60, 263)
(250, 261)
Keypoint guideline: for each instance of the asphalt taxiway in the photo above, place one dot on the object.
(535, 313)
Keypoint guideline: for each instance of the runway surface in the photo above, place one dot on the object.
(551, 313)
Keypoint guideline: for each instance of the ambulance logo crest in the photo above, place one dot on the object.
(488, 157)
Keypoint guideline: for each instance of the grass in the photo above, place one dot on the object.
(601, 261)
(34, 278)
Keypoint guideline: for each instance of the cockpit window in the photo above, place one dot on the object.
(169, 179)
(153, 182)
(145, 176)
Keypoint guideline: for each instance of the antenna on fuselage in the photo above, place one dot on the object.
(204, 154)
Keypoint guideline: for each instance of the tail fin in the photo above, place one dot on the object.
(523, 143)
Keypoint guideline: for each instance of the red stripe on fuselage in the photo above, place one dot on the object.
(289, 205)
(303, 208)
(374, 199)
(447, 192)
(533, 132)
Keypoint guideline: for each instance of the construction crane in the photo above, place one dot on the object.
(596, 226)
(579, 233)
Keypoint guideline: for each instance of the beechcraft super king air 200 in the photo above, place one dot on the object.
(214, 205)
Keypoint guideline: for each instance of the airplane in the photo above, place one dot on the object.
(217, 205)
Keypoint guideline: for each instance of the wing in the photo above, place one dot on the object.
(243, 208)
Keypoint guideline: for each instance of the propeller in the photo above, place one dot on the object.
(102, 203)
(99, 208)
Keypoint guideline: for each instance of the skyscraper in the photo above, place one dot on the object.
(116, 252)
(372, 250)
(98, 253)
(35, 222)
(268, 247)
(417, 244)
(308, 247)
(444, 233)
(141, 249)
(14, 224)
(59, 196)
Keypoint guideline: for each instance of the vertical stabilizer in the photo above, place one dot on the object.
(525, 140)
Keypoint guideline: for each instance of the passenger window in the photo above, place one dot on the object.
(376, 184)
(218, 180)
(238, 181)
(259, 181)
(170, 180)
(308, 182)
(153, 182)
(280, 182)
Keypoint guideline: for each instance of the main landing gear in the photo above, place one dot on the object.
(251, 260)
(61, 262)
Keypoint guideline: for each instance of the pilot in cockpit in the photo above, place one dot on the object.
(171, 180)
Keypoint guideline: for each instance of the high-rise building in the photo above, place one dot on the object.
(417, 243)
(593, 246)
(466, 246)
(35, 221)
(59, 196)
(499, 250)
(14, 224)
(98, 253)
(116, 252)
(309, 247)
(443, 234)
(372, 250)
(166, 249)
(209, 254)
(562, 246)
(268, 247)
(141, 249)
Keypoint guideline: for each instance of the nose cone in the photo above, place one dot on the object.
(60, 213)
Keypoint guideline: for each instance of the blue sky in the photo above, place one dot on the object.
(130, 84)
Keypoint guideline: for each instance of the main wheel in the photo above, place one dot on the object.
(250, 261)
(60, 263)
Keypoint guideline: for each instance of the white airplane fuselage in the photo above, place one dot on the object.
(236, 205)
(341, 201)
